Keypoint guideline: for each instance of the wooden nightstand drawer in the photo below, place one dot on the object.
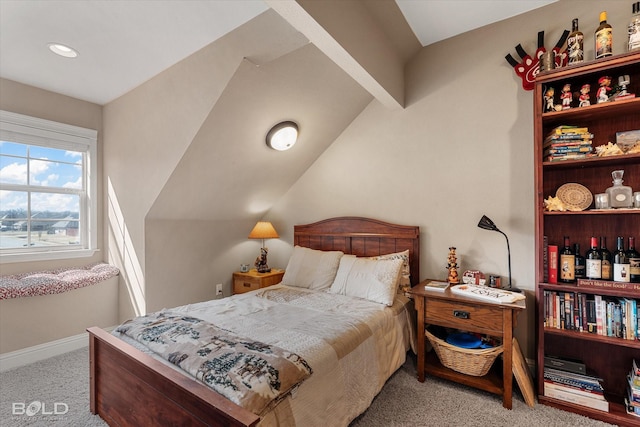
(245, 284)
(458, 315)
(252, 280)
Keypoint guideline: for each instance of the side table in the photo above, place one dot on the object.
(443, 308)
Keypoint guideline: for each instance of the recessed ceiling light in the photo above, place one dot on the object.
(62, 50)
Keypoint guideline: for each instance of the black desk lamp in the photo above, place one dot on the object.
(486, 224)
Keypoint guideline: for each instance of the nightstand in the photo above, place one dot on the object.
(252, 280)
(443, 308)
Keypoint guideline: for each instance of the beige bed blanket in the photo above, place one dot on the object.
(353, 346)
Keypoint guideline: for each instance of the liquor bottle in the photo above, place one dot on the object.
(603, 37)
(580, 266)
(567, 263)
(593, 261)
(634, 261)
(620, 196)
(634, 28)
(575, 43)
(620, 263)
(605, 255)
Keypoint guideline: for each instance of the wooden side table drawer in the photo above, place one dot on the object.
(252, 280)
(459, 315)
(245, 284)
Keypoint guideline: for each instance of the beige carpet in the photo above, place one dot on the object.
(403, 401)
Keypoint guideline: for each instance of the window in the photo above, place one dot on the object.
(47, 189)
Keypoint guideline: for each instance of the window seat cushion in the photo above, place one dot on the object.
(54, 281)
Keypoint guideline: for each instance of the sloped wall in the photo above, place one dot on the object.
(462, 147)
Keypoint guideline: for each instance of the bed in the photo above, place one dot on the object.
(130, 386)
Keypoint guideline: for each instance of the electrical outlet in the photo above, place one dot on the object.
(219, 289)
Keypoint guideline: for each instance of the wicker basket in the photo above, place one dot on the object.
(476, 362)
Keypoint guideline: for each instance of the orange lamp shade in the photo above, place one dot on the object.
(263, 230)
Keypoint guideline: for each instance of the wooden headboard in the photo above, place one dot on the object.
(362, 237)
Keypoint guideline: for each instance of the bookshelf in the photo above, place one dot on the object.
(608, 357)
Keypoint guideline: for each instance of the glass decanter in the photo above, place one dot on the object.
(619, 195)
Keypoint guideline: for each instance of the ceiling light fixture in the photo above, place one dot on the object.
(282, 136)
(62, 50)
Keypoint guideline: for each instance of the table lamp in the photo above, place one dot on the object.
(486, 224)
(263, 230)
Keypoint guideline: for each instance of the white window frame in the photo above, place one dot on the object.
(34, 131)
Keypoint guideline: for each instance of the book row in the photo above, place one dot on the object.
(632, 400)
(597, 314)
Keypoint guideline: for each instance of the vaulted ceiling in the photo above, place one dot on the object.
(121, 44)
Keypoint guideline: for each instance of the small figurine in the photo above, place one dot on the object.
(584, 96)
(623, 82)
(452, 266)
(604, 89)
(548, 100)
(261, 262)
(566, 96)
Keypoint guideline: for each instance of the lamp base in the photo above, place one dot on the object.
(513, 289)
(261, 261)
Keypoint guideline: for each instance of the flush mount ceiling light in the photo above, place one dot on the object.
(282, 136)
(62, 50)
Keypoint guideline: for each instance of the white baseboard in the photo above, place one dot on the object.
(25, 356)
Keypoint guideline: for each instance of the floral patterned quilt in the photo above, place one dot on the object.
(251, 374)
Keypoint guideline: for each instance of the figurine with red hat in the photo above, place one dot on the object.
(584, 95)
(604, 89)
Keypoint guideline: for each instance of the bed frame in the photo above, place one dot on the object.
(131, 388)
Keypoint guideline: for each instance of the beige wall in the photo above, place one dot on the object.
(30, 321)
(36, 320)
(462, 147)
(187, 168)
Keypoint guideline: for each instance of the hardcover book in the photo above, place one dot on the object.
(567, 396)
(435, 285)
(568, 365)
(550, 385)
(553, 263)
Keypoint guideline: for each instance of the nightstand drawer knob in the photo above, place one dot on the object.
(461, 314)
(246, 285)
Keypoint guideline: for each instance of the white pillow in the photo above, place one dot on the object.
(311, 269)
(375, 280)
(404, 284)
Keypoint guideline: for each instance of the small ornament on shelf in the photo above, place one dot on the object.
(622, 93)
(584, 96)
(566, 96)
(452, 266)
(548, 100)
(605, 88)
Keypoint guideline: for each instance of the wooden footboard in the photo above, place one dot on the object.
(130, 388)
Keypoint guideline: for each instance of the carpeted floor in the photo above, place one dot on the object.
(27, 392)
(61, 380)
